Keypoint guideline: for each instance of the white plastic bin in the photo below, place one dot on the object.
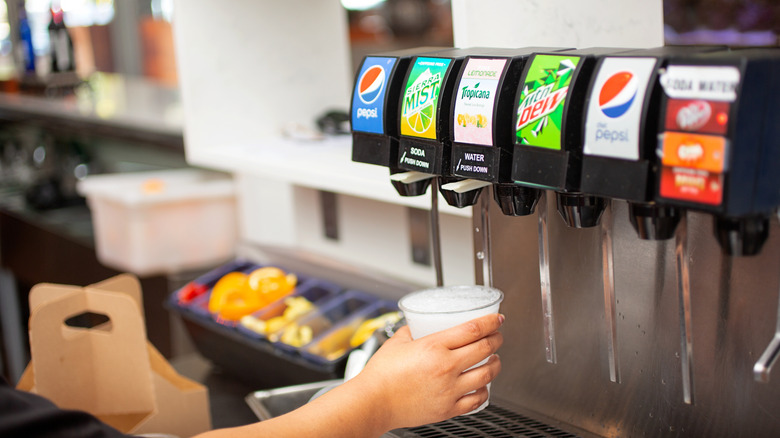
(162, 221)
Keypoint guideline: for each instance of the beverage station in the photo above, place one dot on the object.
(621, 193)
(661, 166)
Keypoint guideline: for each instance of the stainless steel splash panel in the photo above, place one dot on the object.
(734, 304)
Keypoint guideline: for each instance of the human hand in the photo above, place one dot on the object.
(424, 381)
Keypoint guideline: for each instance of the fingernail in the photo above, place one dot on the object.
(501, 318)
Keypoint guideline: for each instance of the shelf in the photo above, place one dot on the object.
(324, 165)
(106, 104)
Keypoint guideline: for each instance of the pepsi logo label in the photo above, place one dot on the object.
(618, 94)
(369, 93)
(371, 84)
(614, 111)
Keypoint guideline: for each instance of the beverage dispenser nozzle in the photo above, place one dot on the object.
(741, 236)
(410, 183)
(460, 192)
(653, 221)
(579, 210)
(516, 200)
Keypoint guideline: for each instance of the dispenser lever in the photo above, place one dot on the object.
(435, 233)
(763, 367)
(684, 293)
(485, 253)
(610, 303)
(544, 280)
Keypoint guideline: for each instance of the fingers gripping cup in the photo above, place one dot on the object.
(432, 310)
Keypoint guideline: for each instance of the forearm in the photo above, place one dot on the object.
(350, 410)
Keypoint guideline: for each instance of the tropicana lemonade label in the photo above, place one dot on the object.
(475, 99)
(421, 97)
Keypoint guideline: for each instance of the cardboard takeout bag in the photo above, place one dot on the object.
(109, 370)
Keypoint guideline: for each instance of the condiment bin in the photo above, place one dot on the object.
(331, 313)
(317, 292)
(335, 344)
(249, 355)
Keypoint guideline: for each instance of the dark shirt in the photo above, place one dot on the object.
(27, 415)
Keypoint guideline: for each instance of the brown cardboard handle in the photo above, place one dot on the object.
(103, 372)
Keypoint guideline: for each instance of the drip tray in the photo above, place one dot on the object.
(494, 422)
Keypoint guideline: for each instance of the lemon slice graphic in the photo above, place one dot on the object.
(420, 121)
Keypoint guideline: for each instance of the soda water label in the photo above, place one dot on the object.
(368, 98)
(421, 97)
(540, 107)
(717, 83)
(614, 111)
(475, 99)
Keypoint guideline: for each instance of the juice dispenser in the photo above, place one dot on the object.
(374, 112)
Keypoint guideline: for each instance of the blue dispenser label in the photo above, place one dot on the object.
(368, 98)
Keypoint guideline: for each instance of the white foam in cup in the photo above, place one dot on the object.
(432, 310)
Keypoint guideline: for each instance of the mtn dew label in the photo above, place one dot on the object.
(421, 97)
(475, 99)
(540, 108)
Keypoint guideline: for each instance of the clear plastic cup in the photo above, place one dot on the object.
(432, 310)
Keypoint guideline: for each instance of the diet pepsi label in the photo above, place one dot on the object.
(614, 112)
(368, 98)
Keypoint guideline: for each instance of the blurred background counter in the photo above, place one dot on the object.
(50, 141)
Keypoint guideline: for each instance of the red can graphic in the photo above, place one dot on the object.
(702, 116)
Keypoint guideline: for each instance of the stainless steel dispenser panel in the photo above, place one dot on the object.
(734, 304)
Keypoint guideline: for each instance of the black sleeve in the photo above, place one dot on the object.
(27, 415)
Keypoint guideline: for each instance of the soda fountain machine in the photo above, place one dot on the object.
(688, 137)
